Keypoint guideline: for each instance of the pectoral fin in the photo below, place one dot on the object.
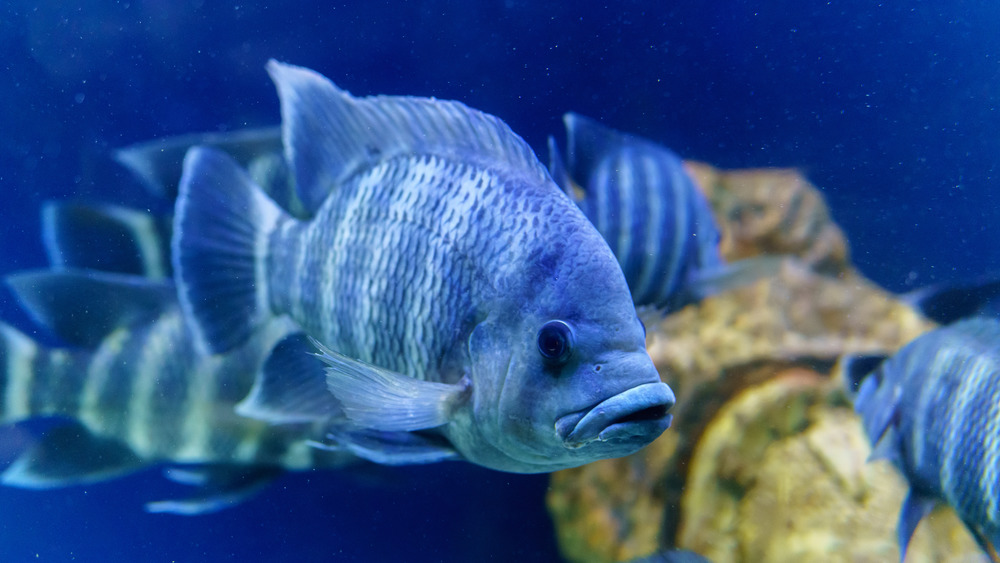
(380, 399)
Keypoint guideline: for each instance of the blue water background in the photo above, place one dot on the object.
(891, 109)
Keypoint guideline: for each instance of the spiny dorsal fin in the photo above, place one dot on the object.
(856, 367)
(559, 173)
(330, 135)
(84, 306)
(951, 301)
(106, 238)
(587, 141)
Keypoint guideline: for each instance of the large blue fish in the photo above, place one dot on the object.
(127, 381)
(452, 289)
(933, 410)
(652, 215)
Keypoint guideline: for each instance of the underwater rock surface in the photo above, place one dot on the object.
(772, 211)
(766, 459)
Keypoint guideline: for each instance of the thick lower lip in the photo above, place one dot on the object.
(638, 413)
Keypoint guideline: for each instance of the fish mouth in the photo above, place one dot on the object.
(639, 414)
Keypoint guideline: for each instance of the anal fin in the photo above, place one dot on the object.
(291, 386)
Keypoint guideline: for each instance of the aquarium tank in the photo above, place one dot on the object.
(499, 280)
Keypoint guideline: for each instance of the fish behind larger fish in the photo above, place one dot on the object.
(655, 219)
(128, 383)
(448, 283)
(933, 410)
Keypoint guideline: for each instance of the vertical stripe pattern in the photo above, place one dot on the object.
(647, 209)
(948, 418)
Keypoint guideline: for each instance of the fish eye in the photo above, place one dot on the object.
(555, 342)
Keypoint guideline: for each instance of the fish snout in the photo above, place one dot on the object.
(636, 415)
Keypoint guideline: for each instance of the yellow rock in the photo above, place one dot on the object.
(780, 475)
(772, 211)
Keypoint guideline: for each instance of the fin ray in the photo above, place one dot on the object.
(329, 135)
(219, 248)
(376, 398)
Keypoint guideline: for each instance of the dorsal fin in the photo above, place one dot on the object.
(857, 367)
(157, 164)
(948, 302)
(330, 135)
(107, 238)
(82, 306)
(586, 142)
(559, 173)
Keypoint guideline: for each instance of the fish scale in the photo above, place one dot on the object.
(377, 254)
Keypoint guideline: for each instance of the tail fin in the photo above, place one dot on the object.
(28, 372)
(221, 232)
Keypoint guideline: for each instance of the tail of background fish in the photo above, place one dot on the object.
(34, 378)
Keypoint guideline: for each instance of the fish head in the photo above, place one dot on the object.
(561, 377)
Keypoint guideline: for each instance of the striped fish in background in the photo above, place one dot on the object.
(933, 410)
(127, 383)
(652, 215)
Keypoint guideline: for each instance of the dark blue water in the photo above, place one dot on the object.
(890, 109)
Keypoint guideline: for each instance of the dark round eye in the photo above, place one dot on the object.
(555, 342)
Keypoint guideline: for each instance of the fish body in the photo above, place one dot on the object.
(933, 409)
(449, 285)
(128, 383)
(645, 205)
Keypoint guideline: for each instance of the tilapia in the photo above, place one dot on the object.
(655, 219)
(128, 385)
(451, 288)
(933, 410)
